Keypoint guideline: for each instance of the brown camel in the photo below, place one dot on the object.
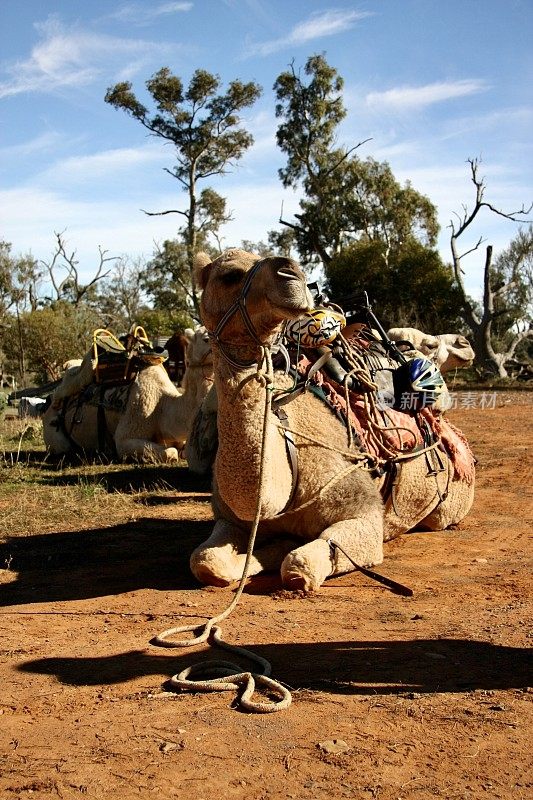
(334, 494)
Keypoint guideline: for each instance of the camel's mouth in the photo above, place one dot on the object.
(295, 296)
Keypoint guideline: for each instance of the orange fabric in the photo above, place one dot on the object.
(400, 431)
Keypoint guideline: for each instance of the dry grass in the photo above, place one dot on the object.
(42, 494)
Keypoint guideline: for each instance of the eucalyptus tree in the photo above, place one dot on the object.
(345, 199)
(203, 124)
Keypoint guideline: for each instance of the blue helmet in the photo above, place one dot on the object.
(424, 376)
(417, 384)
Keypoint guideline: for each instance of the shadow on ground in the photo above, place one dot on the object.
(111, 476)
(145, 553)
(367, 667)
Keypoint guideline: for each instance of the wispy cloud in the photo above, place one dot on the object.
(104, 164)
(143, 14)
(408, 97)
(38, 144)
(317, 26)
(71, 57)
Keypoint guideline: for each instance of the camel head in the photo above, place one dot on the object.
(198, 375)
(454, 352)
(245, 299)
(448, 350)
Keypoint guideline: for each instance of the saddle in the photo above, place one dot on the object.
(119, 361)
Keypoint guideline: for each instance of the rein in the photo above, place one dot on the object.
(230, 675)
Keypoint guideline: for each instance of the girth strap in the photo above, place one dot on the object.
(292, 453)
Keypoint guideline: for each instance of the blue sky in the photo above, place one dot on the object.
(430, 83)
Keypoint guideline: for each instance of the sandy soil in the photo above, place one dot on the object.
(393, 697)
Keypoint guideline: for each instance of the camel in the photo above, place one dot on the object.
(449, 351)
(148, 419)
(176, 348)
(331, 501)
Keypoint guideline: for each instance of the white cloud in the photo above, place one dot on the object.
(139, 14)
(45, 141)
(71, 57)
(318, 25)
(106, 164)
(408, 97)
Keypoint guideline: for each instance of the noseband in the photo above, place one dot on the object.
(239, 306)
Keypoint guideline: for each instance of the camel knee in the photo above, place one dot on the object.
(361, 540)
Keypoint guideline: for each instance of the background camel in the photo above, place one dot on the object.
(448, 350)
(148, 419)
(176, 348)
(335, 494)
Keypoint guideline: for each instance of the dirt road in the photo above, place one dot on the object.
(393, 697)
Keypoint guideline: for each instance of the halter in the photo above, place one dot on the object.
(239, 306)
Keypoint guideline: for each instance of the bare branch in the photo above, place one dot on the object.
(162, 213)
(345, 156)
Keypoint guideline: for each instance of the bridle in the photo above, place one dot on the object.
(239, 306)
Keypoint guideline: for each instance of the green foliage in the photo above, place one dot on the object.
(19, 280)
(312, 113)
(346, 199)
(160, 322)
(414, 288)
(166, 279)
(511, 279)
(44, 339)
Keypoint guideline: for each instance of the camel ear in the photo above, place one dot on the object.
(189, 334)
(202, 268)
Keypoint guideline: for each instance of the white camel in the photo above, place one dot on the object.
(330, 494)
(449, 351)
(146, 420)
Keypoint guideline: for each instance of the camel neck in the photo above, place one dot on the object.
(241, 410)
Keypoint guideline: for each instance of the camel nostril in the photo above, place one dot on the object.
(287, 272)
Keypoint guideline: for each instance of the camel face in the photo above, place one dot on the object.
(271, 289)
(448, 350)
(455, 352)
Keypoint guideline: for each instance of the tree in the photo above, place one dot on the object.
(20, 279)
(121, 298)
(204, 127)
(166, 278)
(414, 288)
(345, 199)
(69, 286)
(503, 319)
(47, 337)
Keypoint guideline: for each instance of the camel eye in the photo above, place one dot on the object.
(232, 277)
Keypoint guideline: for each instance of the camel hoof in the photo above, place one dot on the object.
(206, 576)
(171, 454)
(307, 567)
(297, 582)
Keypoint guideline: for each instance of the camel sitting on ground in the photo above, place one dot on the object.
(331, 496)
(448, 351)
(148, 419)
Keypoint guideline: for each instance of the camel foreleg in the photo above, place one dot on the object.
(145, 450)
(308, 566)
(220, 560)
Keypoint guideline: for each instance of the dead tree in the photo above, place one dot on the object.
(480, 321)
(70, 286)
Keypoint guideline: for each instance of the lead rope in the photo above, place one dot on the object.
(229, 676)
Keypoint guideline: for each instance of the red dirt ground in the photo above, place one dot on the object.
(425, 696)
